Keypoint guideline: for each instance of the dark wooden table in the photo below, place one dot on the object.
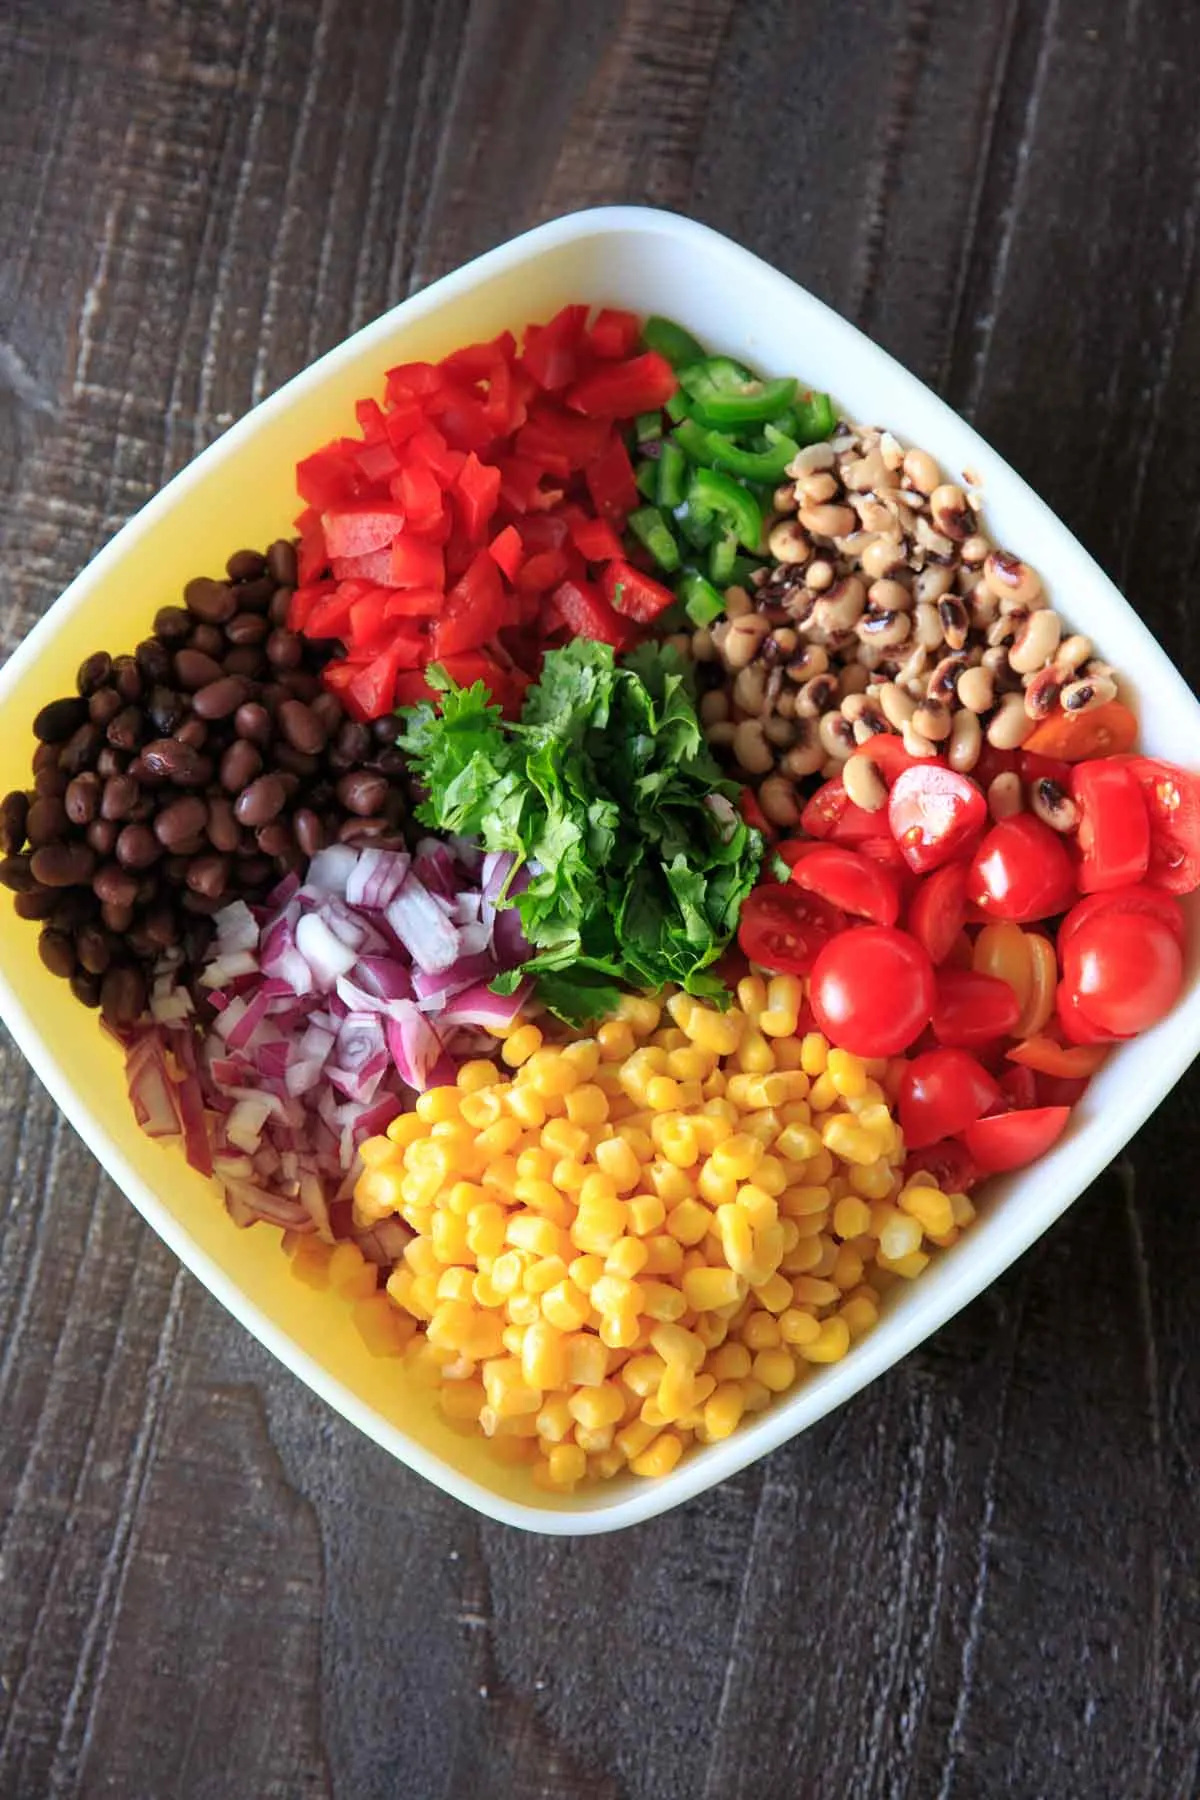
(980, 1578)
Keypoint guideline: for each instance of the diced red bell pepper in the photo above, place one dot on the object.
(507, 551)
(430, 447)
(312, 558)
(412, 380)
(368, 632)
(461, 418)
(619, 390)
(615, 333)
(507, 685)
(475, 610)
(478, 362)
(357, 530)
(417, 563)
(414, 603)
(586, 613)
(555, 437)
(637, 596)
(304, 600)
(544, 570)
(551, 352)
(519, 477)
(372, 421)
(421, 498)
(376, 566)
(543, 531)
(329, 477)
(505, 405)
(371, 691)
(404, 421)
(378, 461)
(610, 482)
(476, 493)
(596, 540)
(330, 616)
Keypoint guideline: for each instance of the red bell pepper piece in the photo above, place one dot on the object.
(375, 566)
(610, 482)
(638, 596)
(368, 632)
(428, 446)
(417, 563)
(478, 362)
(414, 379)
(329, 477)
(330, 616)
(377, 461)
(555, 437)
(586, 613)
(475, 610)
(312, 558)
(596, 540)
(615, 333)
(544, 570)
(619, 390)
(404, 421)
(551, 352)
(519, 477)
(367, 525)
(543, 531)
(372, 421)
(371, 691)
(507, 551)
(414, 603)
(304, 600)
(476, 493)
(421, 498)
(461, 417)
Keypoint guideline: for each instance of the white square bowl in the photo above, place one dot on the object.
(241, 491)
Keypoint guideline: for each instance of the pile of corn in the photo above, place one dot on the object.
(638, 1238)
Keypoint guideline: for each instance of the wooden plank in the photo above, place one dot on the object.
(979, 1577)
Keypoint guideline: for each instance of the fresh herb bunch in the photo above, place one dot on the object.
(607, 793)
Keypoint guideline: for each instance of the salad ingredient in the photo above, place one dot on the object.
(1021, 872)
(1010, 1140)
(934, 815)
(851, 882)
(1172, 797)
(781, 928)
(937, 911)
(636, 1241)
(972, 1009)
(941, 1093)
(1113, 836)
(1140, 900)
(1123, 981)
(1084, 728)
(872, 990)
(605, 793)
(1046, 1057)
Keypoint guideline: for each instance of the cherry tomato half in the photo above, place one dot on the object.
(890, 757)
(1010, 1140)
(934, 813)
(1019, 1088)
(783, 929)
(937, 911)
(850, 881)
(948, 1163)
(1074, 1025)
(1124, 981)
(1150, 902)
(1172, 799)
(970, 1008)
(1114, 825)
(872, 990)
(1076, 736)
(1060, 1090)
(1021, 871)
(1046, 1057)
(941, 1094)
(831, 813)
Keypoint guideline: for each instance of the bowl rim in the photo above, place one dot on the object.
(874, 1354)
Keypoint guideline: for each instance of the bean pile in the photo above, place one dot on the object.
(199, 770)
(887, 609)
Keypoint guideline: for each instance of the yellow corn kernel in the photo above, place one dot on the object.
(627, 1258)
(713, 1086)
(798, 1142)
(848, 1073)
(554, 1421)
(717, 1188)
(497, 1140)
(544, 1274)
(643, 1373)
(690, 1063)
(798, 1327)
(671, 1184)
(809, 1290)
(462, 1400)
(759, 1206)
(587, 1105)
(585, 1271)
(615, 1040)
(350, 1272)
(760, 1331)
(675, 1345)
(752, 995)
(661, 1301)
(406, 1129)
(484, 1291)
(898, 1234)
(599, 1224)
(566, 1464)
(718, 1033)
(929, 1207)
(520, 1045)
(724, 1408)
(646, 1213)
(527, 1231)
(551, 1074)
(640, 1013)
(616, 1294)
(522, 1308)
(873, 1181)
(633, 1438)
(676, 1392)
(583, 1056)
(763, 1124)
(566, 1306)
(859, 1316)
(456, 1284)
(689, 1222)
(712, 1128)
(962, 1208)
(631, 1132)
(526, 1106)
(377, 1152)
(706, 1289)
(587, 1359)
(775, 1294)
(737, 1157)
(568, 1175)
(851, 1217)
(508, 1393)
(507, 1272)
(378, 1192)
(814, 1051)
(677, 1140)
(437, 1106)
(485, 1338)
(664, 1254)
(662, 1094)
(737, 1239)
(909, 1266)
(659, 1457)
(620, 1330)
(544, 1356)
(597, 1406)
(754, 1055)
(850, 1141)
(449, 1239)
(831, 1344)
(618, 1161)
(775, 1368)
(848, 1268)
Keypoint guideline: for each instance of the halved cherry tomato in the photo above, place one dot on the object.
(942, 1093)
(1032, 767)
(871, 990)
(1021, 871)
(934, 814)
(1075, 736)
(789, 850)
(1038, 1006)
(1047, 1057)
(938, 910)
(970, 1008)
(754, 815)
(1061, 1090)
(1123, 981)
(890, 757)
(1149, 902)
(948, 1163)
(783, 929)
(1075, 1026)
(1019, 1088)
(1172, 797)
(993, 762)
(1114, 825)
(1010, 1140)
(832, 813)
(850, 881)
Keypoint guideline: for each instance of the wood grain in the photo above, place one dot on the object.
(979, 1578)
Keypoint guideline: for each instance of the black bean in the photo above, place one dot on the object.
(272, 696)
(114, 886)
(57, 952)
(239, 766)
(310, 834)
(170, 759)
(362, 792)
(50, 784)
(153, 659)
(328, 709)
(45, 757)
(102, 835)
(81, 802)
(275, 838)
(220, 699)
(211, 601)
(285, 649)
(281, 561)
(123, 996)
(301, 685)
(38, 903)
(247, 628)
(111, 761)
(253, 870)
(255, 596)
(63, 865)
(81, 748)
(94, 948)
(86, 988)
(261, 801)
(384, 730)
(194, 670)
(208, 639)
(139, 941)
(281, 605)
(162, 925)
(173, 624)
(352, 744)
(104, 705)
(248, 661)
(117, 916)
(94, 671)
(208, 875)
(302, 728)
(246, 565)
(120, 796)
(14, 810)
(127, 678)
(224, 832)
(193, 733)
(289, 780)
(207, 904)
(56, 722)
(137, 847)
(47, 822)
(125, 731)
(74, 908)
(253, 722)
(297, 762)
(167, 711)
(390, 762)
(181, 821)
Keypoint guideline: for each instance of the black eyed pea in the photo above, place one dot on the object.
(1004, 796)
(814, 489)
(817, 696)
(897, 706)
(892, 451)
(804, 758)
(935, 543)
(809, 660)
(787, 543)
(886, 595)
(954, 619)
(885, 630)
(750, 688)
(810, 458)
(1050, 802)
(931, 717)
(703, 647)
(1036, 642)
(819, 575)
(777, 797)
(882, 557)
(966, 742)
(1010, 724)
(873, 515)
(871, 725)
(983, 607)
(780, 731)
(751, 749)
(841, 606)
(1074, 651)
(975, 550)
(862, 474)
(927, 627)
(741, 643)
(943, 678)
(714, 706)
(916, 743)
(737, 602)
(950, 512)
(1042, 693)
(920, 471)
(932, 583)
(864, 784)
(976, 689)
(1011, 579)
(855, 677)
(1090, 691)
(783, 500)
(828, 520)
(837, 736)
